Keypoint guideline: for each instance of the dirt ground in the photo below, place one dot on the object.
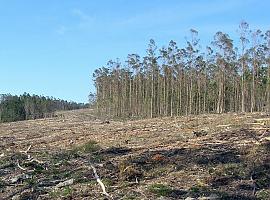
(211, 156)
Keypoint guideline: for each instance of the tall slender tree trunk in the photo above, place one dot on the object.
(243, 88)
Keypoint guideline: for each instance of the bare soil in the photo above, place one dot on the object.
(211, 156)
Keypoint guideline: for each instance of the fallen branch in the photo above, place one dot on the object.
(27, 150)
(65, 183)
(255, 123)
(259, 128)
(18, 164)
(223, 125)
(31, 159)
(262, 119)
(100, 182)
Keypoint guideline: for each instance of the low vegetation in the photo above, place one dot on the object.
(164, 158)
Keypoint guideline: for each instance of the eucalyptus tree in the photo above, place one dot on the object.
(191, 55)
(176, 81)
(224, 50)
(164, 55)
(209, 83)
(267, 62)
(171, 77)
(151, 67)
(256, 55)
(136, 85)
(244, 31)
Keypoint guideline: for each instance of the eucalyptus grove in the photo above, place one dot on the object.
(173, 81)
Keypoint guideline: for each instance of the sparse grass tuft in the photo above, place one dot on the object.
(89, 147)
(129, 171)
(60, 193)
(230, 169)
(160, 190)
(197, 191)
(263, 194)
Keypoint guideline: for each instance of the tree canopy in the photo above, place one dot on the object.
(24, 107)
(173, 81)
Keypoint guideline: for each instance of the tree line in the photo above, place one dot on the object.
(26, 106)
(174, 81)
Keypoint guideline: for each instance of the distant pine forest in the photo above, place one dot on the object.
(225, 76)
(26, 107)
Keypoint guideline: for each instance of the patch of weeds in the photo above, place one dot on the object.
(77, 152)
(262, 176)
(62, 192)
(130, 197)
(263, 194)
(18, 156)
(97, 157)
(55, 173)
(230, 169)
(3, 161)
(157, 172)
(160, 190)
(88, 147)
(67, 155)
(197, 191)
(38, 168)
(61, 174)
(107, 182)
(8, 165)
(2, 184)
(66, 191)
(31, 182)
(129, 171)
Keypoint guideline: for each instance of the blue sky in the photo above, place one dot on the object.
(52, 47)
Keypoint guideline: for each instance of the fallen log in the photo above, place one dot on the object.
(65, 183)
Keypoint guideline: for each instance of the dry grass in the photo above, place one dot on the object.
(224, 156)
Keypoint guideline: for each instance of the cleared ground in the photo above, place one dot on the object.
(201, 157)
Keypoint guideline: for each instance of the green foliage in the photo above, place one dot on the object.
(16, 108)
(197, 191)
(160, 189)
(2, 184)
(230, 169)
(12, 109)
(62, 192)
(176, 81)
(88, 147)
(263, 194)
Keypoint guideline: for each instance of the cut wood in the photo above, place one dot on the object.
(266, 138)
(100, 182)
(65, 183)
(223, 125)
(259, 128)
(255, 123)
(18, 164)
(27, 150)
(262, 119)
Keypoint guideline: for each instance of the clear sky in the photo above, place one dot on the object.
(51, 47)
